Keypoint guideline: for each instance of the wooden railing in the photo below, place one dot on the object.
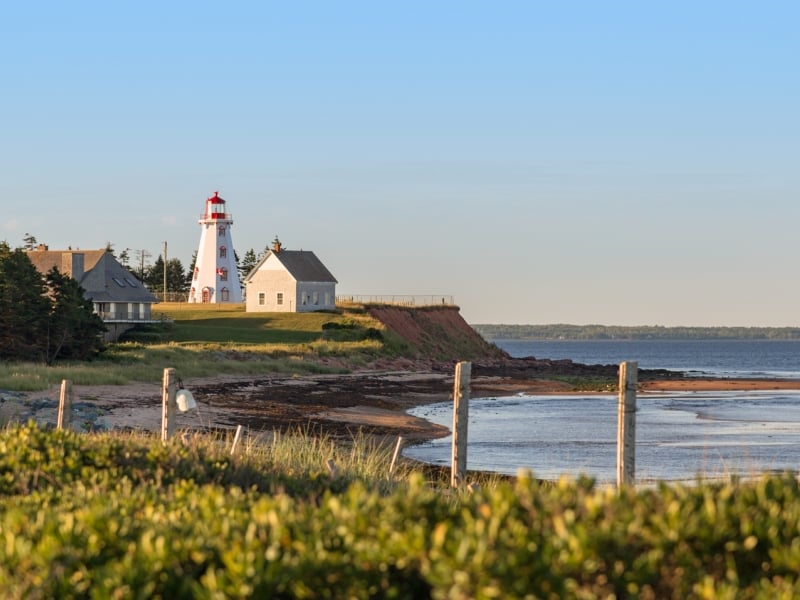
(399, 299)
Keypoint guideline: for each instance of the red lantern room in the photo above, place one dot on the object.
(215, 207)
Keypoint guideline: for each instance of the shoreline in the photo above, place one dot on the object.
(373, 402)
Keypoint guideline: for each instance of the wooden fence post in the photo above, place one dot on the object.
(460, 417)
(65, 405)
(169, 390)
(236, 439)
(396, 453)
(626, 424)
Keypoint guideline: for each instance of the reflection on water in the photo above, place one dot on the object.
(678, 435)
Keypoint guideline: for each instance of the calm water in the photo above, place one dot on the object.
(722, 358)
(679, 435)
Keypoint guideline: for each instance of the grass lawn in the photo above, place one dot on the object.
(230, 324)
(200, 339)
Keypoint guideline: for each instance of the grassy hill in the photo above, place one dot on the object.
(230, 324)
(201, 340)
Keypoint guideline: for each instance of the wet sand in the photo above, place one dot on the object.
(373, 402)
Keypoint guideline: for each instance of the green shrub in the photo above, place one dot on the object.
(114, 517)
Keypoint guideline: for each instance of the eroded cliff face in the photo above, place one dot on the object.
(437, 332)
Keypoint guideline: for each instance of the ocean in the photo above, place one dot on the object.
(715, 358)
(679, 436)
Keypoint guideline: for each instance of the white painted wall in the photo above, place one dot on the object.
(272, 279)
(215, 234)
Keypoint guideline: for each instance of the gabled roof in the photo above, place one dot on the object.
(44, 260)
(103, 278)
(302, 265)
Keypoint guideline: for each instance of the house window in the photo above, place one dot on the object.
(119, 282)
(223, 274)
(279, 299)
(223, 252)
(262, 298)
(224, 294)
(316, 298)
(303, 297)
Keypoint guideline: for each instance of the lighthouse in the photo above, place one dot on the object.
(215, 279)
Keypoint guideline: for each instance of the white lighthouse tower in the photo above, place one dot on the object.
(215, 279)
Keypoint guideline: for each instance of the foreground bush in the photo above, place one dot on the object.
(95, 516)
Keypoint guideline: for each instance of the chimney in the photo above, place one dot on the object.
(72, 264)
(276, 246)
(42, 247)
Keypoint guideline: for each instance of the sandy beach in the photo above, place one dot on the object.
(374, 402)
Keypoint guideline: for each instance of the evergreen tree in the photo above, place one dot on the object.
(29, 242)
(24, 307)
(154, 275)
(190, 271)
(124, 258)
(176, 276)
(42, 319)
(248, 262)
(74, 330)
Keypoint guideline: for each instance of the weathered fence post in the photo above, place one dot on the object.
(236, 439)
(626, 424)
(65, 405)
(460, 417)
(396, 453)
(169, 389)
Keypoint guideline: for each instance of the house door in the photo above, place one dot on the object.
(206, 295)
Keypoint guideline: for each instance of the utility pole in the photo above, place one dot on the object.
(144, 254)
(164, 298)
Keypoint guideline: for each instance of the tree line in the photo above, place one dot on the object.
(179, 279)
(642, 332)
(44, 318)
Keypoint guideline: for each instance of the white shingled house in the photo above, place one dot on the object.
(289, 281)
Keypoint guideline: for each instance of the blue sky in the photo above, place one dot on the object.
(575, 162)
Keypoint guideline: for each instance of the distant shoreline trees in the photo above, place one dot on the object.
(562, 331)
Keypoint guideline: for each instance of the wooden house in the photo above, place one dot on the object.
(120, 299)
(289, 281)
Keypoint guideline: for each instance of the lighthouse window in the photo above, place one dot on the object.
(222, 231)
(223, 252)
(223, 274)
(196, 272)
(224, 294)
